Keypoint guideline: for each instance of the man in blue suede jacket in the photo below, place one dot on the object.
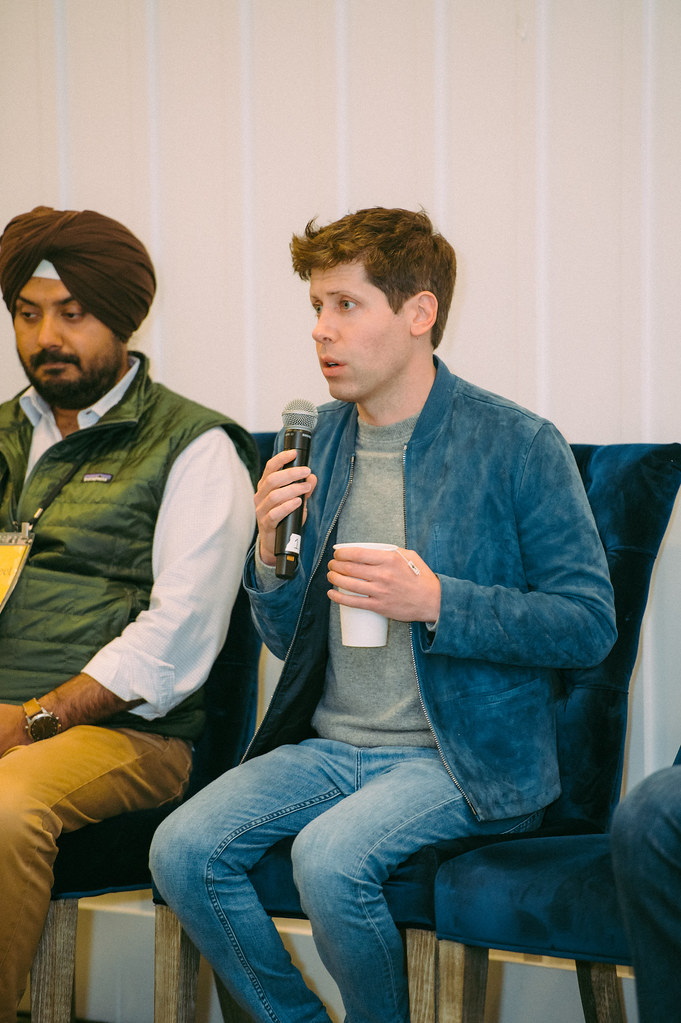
(368, 754)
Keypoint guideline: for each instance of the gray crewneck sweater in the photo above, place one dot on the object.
(370, 695)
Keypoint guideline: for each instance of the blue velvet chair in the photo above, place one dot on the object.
(112, 856)
(552, 894)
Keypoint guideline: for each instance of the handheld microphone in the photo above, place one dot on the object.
(300, 419)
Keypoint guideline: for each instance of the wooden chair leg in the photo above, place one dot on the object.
(601, 992)
(461, 982)
(421, 949)
(176, 970)
(54, 965)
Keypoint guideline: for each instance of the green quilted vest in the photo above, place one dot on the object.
(89, 572)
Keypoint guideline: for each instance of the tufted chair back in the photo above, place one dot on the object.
(551, 894)
(631, 490)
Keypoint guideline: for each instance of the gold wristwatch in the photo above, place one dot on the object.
(40, 723)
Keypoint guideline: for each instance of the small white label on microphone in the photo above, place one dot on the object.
(293, 545)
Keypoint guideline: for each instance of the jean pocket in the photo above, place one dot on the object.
(529, 823)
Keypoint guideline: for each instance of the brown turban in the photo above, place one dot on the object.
(103, 265)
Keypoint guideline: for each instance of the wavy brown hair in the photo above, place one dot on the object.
(400, 251)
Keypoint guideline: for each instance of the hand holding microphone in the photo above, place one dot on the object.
(281, 545)
(300, 419)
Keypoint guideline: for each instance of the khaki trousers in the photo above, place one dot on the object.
(81, 776)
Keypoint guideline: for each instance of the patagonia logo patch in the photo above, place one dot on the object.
(97, 477)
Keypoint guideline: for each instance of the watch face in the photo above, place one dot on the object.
(43, 726)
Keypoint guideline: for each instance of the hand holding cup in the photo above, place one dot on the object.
(384, 579)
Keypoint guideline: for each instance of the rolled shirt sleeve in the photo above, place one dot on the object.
(203, 532)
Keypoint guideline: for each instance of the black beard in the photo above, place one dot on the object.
(71, 394)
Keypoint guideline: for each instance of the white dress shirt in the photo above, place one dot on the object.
(203, 531)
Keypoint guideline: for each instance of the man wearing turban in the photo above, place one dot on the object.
(135, 507)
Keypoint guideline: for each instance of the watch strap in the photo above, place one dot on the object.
(32, 707)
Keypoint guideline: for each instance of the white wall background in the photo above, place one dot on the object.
(543, 136)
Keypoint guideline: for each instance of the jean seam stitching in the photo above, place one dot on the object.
(215, 902)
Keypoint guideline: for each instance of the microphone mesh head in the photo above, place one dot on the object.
(299, 414)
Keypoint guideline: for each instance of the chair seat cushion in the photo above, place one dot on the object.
(112, 855)
(511, 896)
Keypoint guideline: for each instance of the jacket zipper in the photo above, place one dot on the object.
(413, 656)
(307, 588)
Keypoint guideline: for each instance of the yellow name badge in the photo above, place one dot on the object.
(14, 548)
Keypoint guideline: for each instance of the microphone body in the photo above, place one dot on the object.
(300, 419)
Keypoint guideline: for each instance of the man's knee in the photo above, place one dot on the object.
(25, 822)
(648, 822)
(176, 857)
(326, 864)
(175, 840)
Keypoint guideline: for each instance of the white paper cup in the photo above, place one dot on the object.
(360, 627)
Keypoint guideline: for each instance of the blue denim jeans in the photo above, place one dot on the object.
(646, 853)
(357, 814)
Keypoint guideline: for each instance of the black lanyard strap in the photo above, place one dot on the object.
(56, 489)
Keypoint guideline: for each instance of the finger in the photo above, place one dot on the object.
(359, 558)
(282, 478)
(344, 561)
(279, 503)
(282, 485)
(277, 464)
(348, 597)
(356, 584)
(280, 459)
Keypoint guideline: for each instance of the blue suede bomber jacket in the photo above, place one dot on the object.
(494, 504)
